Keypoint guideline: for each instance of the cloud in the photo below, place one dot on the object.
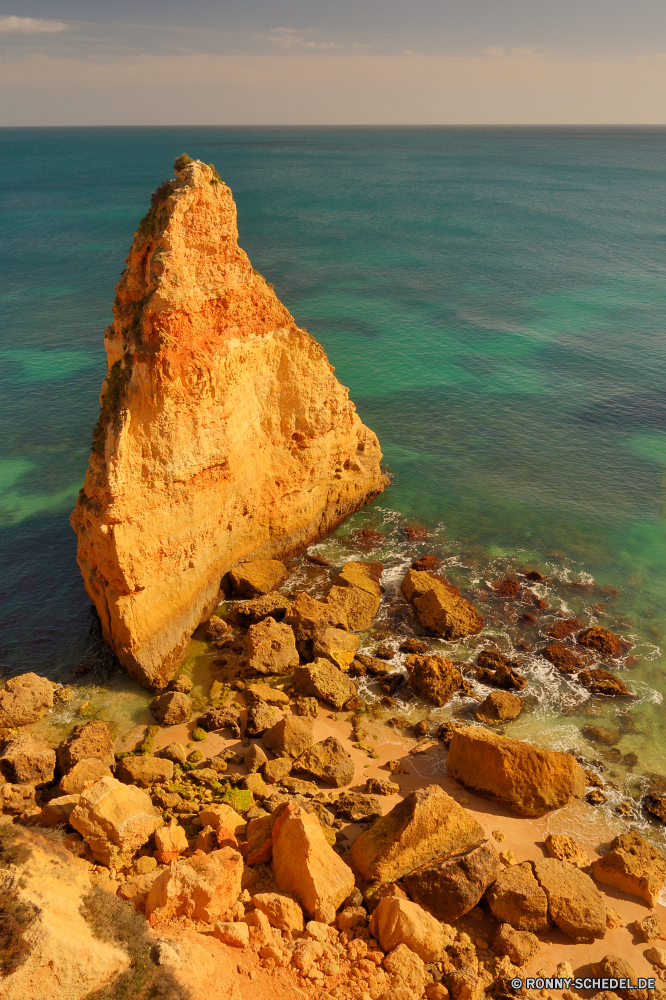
(29, 25)
(292, 38)
(519, 52)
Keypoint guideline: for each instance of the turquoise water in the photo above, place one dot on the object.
(494, 299)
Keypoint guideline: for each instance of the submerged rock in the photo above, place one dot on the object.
(602, 682)
(223, 435)
(498, 670)
(604, 642)
(529, 780)
(563, 658)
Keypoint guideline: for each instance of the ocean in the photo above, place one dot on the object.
(494, 298)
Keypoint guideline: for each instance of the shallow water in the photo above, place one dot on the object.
(492, 297)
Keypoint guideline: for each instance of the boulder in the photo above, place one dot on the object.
(26, 759)
(306, 706)
(516, 898)
(115, 819)
(451, 886)
(329, 761)
(563, 658)
(406, 970)
(433, 677)
(264, 692)
(306, 866)
(603, 682)
(356, 806)
(426, 824)
(258, 577)
(564, 848)
(219, 814)
(271, 605)
(84, 774)
(258, 846)
(357, 605)
(575, 904)
(202, 887)
(381, 786)
(499, 671)
(171, 708)
(439, 606)
(650, 928)
(144, 771)
(632, 865)
(57, 811)
(518, 946)
(336, 645)
(271, 647)
(321, 679)
(175, 752)
(260, 717)
(399, 921)
(24, 700)
(182, 682)
(90, 741)
(255, 784)
(217, 630)
(308, 616)
(290, 736)
(499, 706)
(612, 967)
(529, 780)
(16, 799)
(276, 770)
(372, 665)
(283, 912)
(170, 842)
(221, 718)
(255, 758)
(604, 642)
(234, 933)
(362, 575)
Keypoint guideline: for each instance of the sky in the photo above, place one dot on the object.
(354, 62)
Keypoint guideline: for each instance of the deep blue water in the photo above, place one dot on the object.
(493, 297)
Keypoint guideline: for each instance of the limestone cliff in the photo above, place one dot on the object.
(223, 433)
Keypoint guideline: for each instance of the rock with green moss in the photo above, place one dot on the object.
(146, 746)
(239, 799)
(199, 734)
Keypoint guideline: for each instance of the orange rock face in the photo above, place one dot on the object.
(223, 436)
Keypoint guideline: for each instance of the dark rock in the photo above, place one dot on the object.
(356, 806)
(269, 606)
(507, 587)
(426, 564)
(606, 643)
(384, 652)
(563, 658)
(608, 735)
(221, 718)
(433, 677)
(413, 646)
(447, 729)
(416, 533)
(182, 683)
(451, 886)
(498, 670)
(561, 629)
(602, 682)
(372, 665)
(260, 717)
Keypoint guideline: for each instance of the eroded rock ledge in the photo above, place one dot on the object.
(223, 433)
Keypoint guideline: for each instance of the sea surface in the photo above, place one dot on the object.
(494, 298)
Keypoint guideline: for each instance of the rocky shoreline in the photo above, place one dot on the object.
(294, 831)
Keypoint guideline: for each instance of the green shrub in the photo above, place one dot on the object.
(116, 382)
(181, 161)
(216, 177)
